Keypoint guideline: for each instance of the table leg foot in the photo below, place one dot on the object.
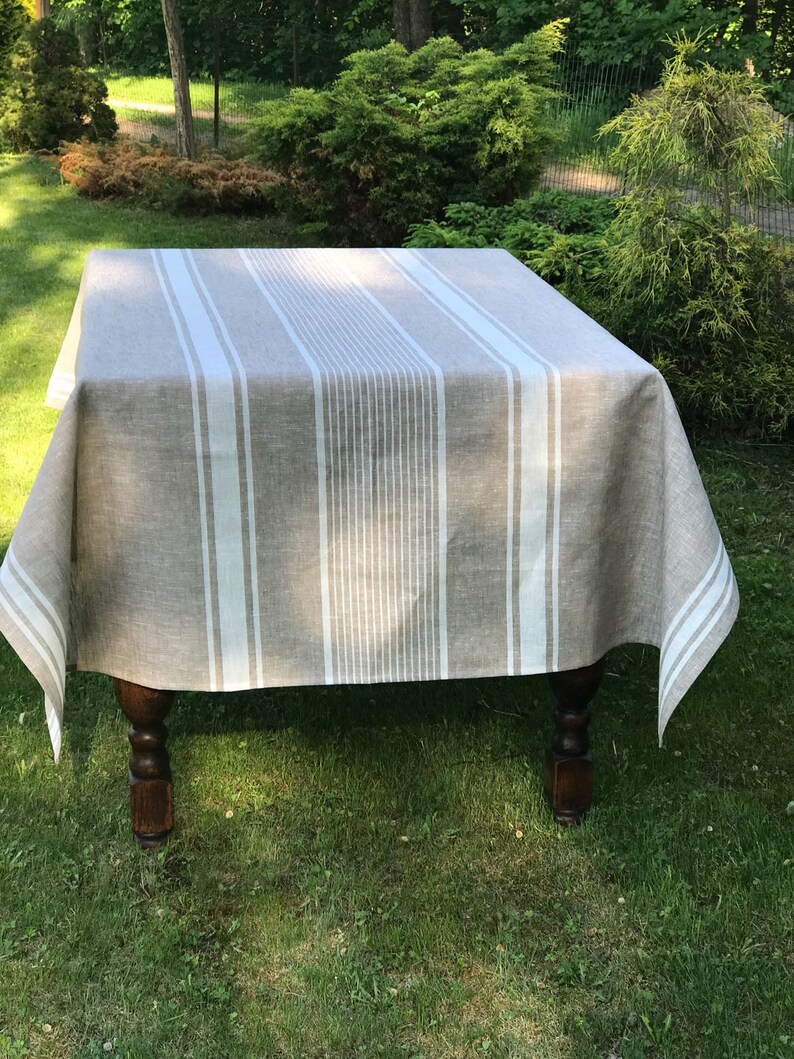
(151, 785)
(568, 779)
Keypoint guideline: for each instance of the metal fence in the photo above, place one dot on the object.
(581, 160)
(145, 109)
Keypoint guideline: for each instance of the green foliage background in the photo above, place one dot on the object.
(258, 37)
(13, 19)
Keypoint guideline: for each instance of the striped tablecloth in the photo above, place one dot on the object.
(282, 467)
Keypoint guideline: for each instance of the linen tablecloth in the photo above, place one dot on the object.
(284, 467)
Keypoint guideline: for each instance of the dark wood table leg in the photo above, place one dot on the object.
(569, 764)
(151, 787)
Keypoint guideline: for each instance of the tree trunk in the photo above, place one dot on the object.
(412, 24)
(43, 9)
(749, 18)
(421, 24)
(216, 84)
(103, 39)
(185, 142)
(402, 23)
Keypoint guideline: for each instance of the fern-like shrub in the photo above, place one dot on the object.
(157, 178)
(48, 95)
(398, 136)
(558, 234)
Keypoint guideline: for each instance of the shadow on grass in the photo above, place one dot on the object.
(325, 782)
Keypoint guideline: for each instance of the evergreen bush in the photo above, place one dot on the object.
(49, 96)
(13, 19)
(709, 300)
(712, 306)
(398, 136)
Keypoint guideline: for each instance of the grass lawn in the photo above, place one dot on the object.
(242, 96)
(239, 106)
(369, 895)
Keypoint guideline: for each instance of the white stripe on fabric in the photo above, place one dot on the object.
(224, 471)
(343, 356)
(554, 374)
(203, 520)
(691, 599)
(720, 608)
(39, 622)
(249, 469)
(510, 391)
(54, 726)
(64, 378)
(301, 320)
(441, 454)
(699, 616)
(384, 365)
(338, 345)
(61, 382)
(363, 326)
(52, 707)
(492, 338)
(56, 397)
(15, 565)
(319, 424)
(357, 327)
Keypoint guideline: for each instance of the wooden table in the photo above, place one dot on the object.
(302, 467)
(568, 777)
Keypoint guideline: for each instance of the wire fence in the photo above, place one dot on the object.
(581, 160)
(224, 114)
(144, 108)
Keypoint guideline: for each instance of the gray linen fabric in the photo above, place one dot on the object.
(281, 467)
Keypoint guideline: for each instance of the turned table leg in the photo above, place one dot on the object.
(151, 788)
(569, 764)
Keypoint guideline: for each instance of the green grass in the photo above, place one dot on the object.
(240, 96)
(784, 160)
(369, 895)
(239, 106)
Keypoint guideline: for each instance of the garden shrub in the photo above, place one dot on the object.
(157, 178)
(711, 306)
(397, 136)
(558, 234)
(49, 95)
(708, 300)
